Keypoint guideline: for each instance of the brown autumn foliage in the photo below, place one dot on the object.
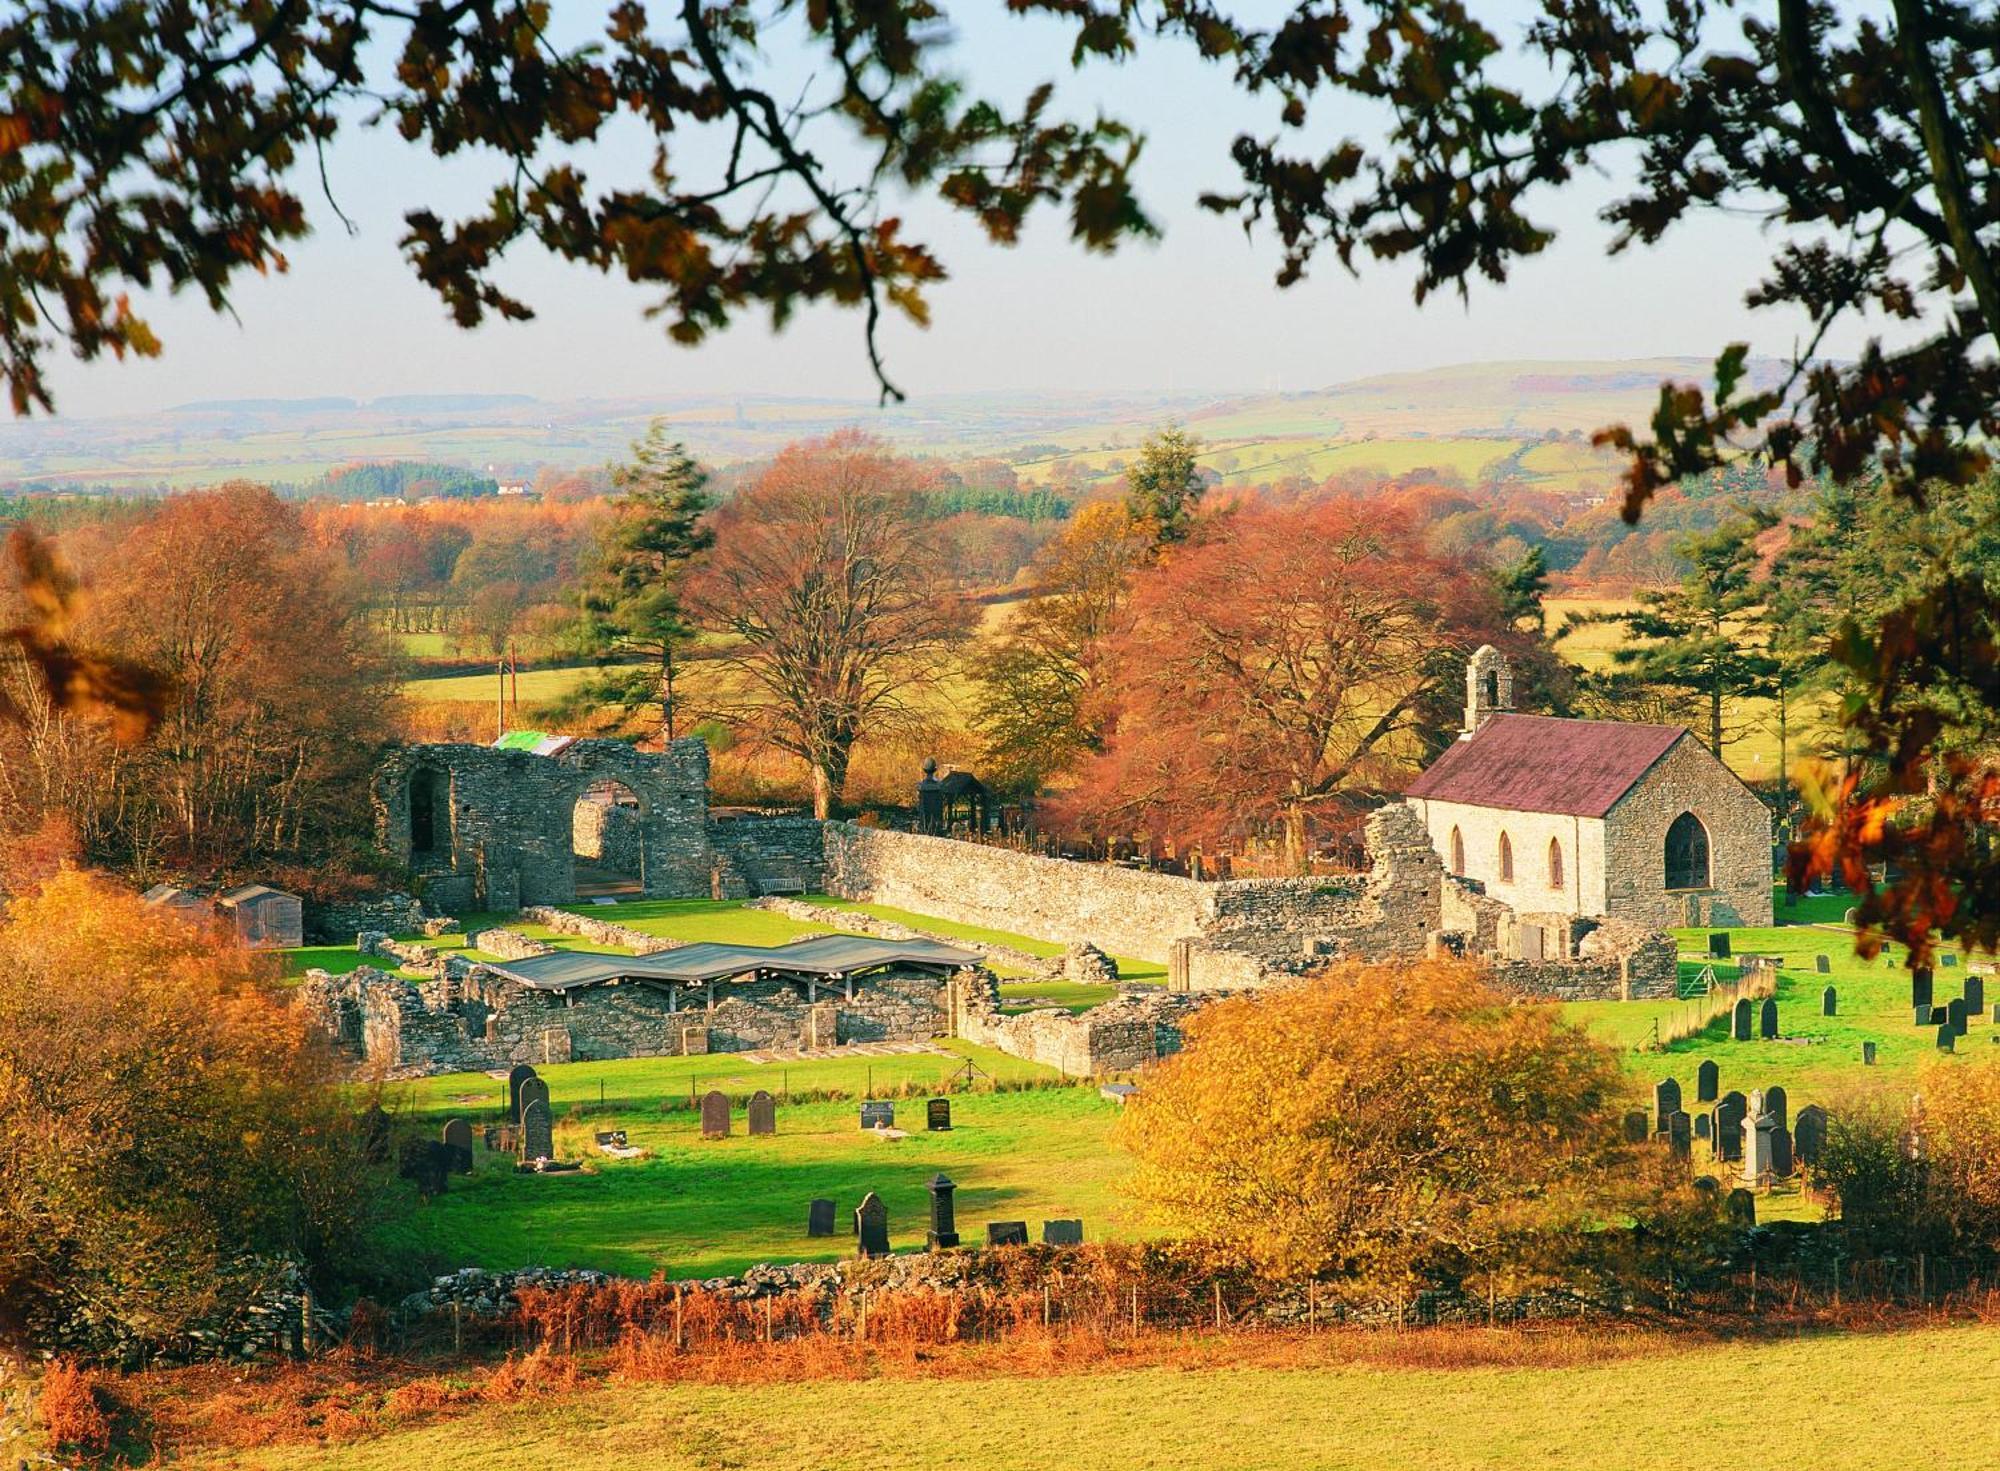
(164, 1117)
(275, 692)
(70, 1411)
(1383, 1126)
(1279, 661)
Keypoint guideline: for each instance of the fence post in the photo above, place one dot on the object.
(767, 1318)
(1045, 1304)
(680, 1337)
(306, 1343)
(1312, 1305)
(1218, 1306)
(1921, 1294)
(1753, 1284)
(1135, 1309)
(862, 1326)
(457, 1328)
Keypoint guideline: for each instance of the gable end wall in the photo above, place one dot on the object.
(1689, 779)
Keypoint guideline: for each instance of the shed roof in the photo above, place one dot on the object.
(244, 892)
(1540, 763)
(828, 955)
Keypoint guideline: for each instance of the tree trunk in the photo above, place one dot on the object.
(1295, 840)
(824, 791)
(667, 723)
(1715, 717)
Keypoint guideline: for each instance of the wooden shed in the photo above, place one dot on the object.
(176, 900)
(267, 918)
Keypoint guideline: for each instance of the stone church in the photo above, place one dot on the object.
(1594, 817)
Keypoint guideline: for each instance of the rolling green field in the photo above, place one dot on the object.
(696, 1207)
(1855, 1402)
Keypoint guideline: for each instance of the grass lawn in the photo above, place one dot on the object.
(1832, 1403)
(696, 1207)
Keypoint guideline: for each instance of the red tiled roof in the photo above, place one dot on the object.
(1537, 763)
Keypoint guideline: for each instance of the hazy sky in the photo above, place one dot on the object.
(1195, 311)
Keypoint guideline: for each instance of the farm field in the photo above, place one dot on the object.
(1839, 1401)
(699, 1207)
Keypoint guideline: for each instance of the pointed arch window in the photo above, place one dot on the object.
(1687, 853)
(1506, 859)
(1457, 851)
(1555, 863)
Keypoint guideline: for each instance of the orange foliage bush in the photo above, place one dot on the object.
(70, 1411)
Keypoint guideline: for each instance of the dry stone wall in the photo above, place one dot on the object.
(768, 855)
(338, 921)
(1123, 1035)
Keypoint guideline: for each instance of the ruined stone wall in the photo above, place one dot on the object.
(481, 1021)
(849, 922)
(502, 823)
(1689, 779)
(1123, 1035)
(768, 855)
(607, 834)
(338, 921)
(598, 931)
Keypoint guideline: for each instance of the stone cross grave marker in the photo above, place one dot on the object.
(534, 1090)
(1868, 1054)
(943, 1234)
(519, 1074)
(537, 1138)
(457, 1137)
(1740, 1019)
(1666, 1098)
(1829, 1002)
(1975, 994)
(937, 1115)
(1823, 964)
(715, 1114)
(1730, 1111)
(878, 1115)
(1006, 1233)
(819, 1218)
(1635, 1126)
(1680, 1135)
(1767, 1018)
(1920, 987)
(1809, 1138)
(1718, 947)
(1062, 1233)
(871, 1225)
(1777, 1104)
(763, 1113)
(1707, 1080)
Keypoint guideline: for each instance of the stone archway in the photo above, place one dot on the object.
(608, 824)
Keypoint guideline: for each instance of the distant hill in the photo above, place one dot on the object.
(298, 441)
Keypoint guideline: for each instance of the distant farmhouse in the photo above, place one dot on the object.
(1594, 817)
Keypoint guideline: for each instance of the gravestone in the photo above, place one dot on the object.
(1680, 1134)
(1062, 1233)
(1740, 1020)
(1727, 1131)
(1778, 1105)
(1006, 1233)
(426, 1164)
(1707, 1184)
(937, 1115)
(1759, 1145)
(1767, 1018)
(537, 1137)
(457, 1137)
(1920, 986)
(1781, 1154)
(611, 1139)
(1740, 1207)
(1809, 1138)
(1954, 1015)
(519, 1074)
(878, 1115)
(944, 1230)
(1701, 1126)
(1922, 1017)
(1828, 1002)
(715, 1114)
(763, 1113)
(1945, 1037)
(871, 1225)
(1940, 1015)
(1666, 1099)
(1635, 1126)
(819, 1218)
(1718, 947)
(1975, 993)
(375, 1134)
(1868, 1054)
(533, 1090)
(1707, 1082)
(1948, 960)
(1823, 964)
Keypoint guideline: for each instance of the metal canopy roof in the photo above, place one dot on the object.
(827, 956)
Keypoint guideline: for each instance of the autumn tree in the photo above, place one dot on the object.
(1385, 1126)
(1272, 666)
(1041, 703)
(165, 1122)
(630, 605)
(1163, 487)
(826, 575)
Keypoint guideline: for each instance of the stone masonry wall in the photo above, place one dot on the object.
(338, 921)
(1123, 1035)
(768, 855)
(1689, 779)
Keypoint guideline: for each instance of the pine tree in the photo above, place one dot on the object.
(630, 610)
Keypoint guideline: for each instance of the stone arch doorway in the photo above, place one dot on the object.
(430, 813)
(608, 840)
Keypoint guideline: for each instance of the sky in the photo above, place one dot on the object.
(1195, 312)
